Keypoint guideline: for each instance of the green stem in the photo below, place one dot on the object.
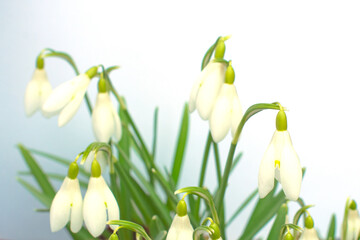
(217, 162)
(203, 170)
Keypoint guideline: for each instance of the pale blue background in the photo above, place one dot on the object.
(305, 54)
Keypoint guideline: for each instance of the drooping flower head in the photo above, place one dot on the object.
(105, 120)
(207, 86)
(280, 161)
(309, 232)
(100, 205)
(37, 90)
(180, 228)
(65, 100)
(227, 111)
(67, 203)
(352, 222)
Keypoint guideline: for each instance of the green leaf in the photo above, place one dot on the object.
(264, 210)
(161, 235)
(156, 114)
(131, 226)
(208, 54)
(279, 221)
(332, 228)
(203, 193)
(180, 146)
(37, 172)
(42, 197)
(58, 159)
(236, 161)
(242, 206)
(156, 227)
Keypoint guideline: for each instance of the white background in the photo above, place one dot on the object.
(304, 54)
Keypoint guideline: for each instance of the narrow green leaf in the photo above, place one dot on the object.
(156, 114)
(161, 235)
(279, 221)
(42, 197)
(155, 226)
(37, 172)
(208, 54)
(332, 228)
(58, 159)
(181, 145)
(242, 206)
(264, 210)
(217, 162)
(236, 161)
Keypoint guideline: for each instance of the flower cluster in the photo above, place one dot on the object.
(215, 97)
(66, 99)
(99, 205)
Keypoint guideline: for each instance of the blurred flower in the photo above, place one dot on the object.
(67, 205)
(353, 223)
(227, 111)
(66, 99)
(37, 91)
(206, 88)
(280, 161)
(105, 119)
(100, 205)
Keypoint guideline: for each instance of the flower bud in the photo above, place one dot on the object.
(73, 170)
(95, 169)
(281, 121)
(181, 208)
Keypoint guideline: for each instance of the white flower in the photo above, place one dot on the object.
(37, 91)
(67, 205)
(226, 114)
(309, 234)
(66, 99)
(280, 161)
(180, 229)
(353, 225)
(206, 88)
(100, 206)
(105, 119)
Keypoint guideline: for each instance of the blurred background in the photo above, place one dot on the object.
(304, 54)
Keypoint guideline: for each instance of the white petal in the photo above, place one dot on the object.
(309, 234)
(102, 118)
(180, 229)
(210, 88)
(267, 170)
(60, 206)
(290, 170)
(32, 99)
(237, 113)
(59, 97)
(220, 120)
(76, 218)
(353, 225)
(195, 89)
(112, 206)
(94, 207)
(46, 90)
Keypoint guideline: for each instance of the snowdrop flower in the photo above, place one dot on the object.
(180, 228)
(102, 158)
(227, 111)
(105, 119)
(66, 98)
(309, 232)
(353, 223)
(37, 91)
(207, 86)
(280, 161)
(67, 203)
(100, 205)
